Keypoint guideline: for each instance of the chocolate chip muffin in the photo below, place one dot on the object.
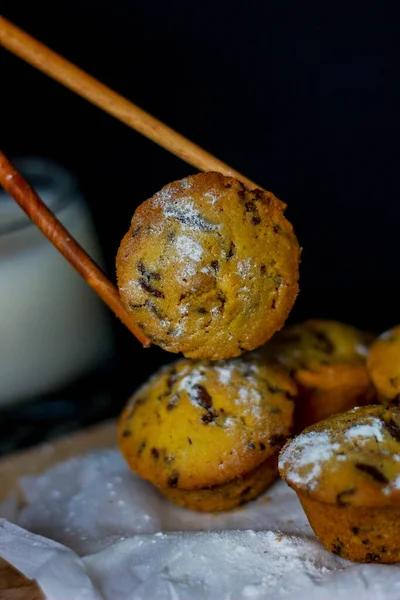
(327, 359)
(208, 268)
(208, 433)
(383, 363)
(346, 473)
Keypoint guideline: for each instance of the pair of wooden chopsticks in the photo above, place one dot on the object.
(40, 56)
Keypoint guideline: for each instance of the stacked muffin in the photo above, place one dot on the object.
(209, 269)
(208, 433)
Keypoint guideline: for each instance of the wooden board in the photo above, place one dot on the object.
(14, 585)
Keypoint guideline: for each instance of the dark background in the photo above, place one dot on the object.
(301, 97)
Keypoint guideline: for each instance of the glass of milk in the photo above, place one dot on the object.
(53, 326)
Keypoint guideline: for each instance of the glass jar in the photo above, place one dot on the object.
(53, 326)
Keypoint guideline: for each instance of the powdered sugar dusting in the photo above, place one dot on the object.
(188, 249)
(362, 350)
(190, 381)
(243, 389)
(212, 198)
(374, 429)
(244, 267)
(392, 486)
(186, 184)
(304, 456)
(386, 335)
(184, 211)
(225, 373)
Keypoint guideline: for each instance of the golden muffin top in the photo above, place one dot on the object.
(317, 343)
(208, 268)
(196, 424)
(349, 459)
(383, 363)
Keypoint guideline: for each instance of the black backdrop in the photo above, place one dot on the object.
(301, 97)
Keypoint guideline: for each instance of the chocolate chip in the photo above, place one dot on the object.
(273, 303)
(276, 228)
(203, 398)
(173, 402)
(251, 446)
(263, 269)
(262, 446)
(274, 389)
(222, 298)
(250, 206)
(372, 557)
(141, 447)
(135, 405)
(393, 428)
(337, 547)
(155, 453)
(341, 497)
(154, 309)
(215, 265)
(126, 433)
(136, 306)
(173, 479)
(172, 378)
(355, 530)
(256, 220)
(277, 440)
(150, 289)
(323, 342)
(209, 417)
(231, 251)
(193, 221)
(190, 441)
(245, 491)
(202, 310)
(372, 471)
(259, 194)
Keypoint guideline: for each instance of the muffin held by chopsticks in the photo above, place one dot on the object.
(326, 358)
(207, 434)
(208, 268)
(346, 473)
(383, 364)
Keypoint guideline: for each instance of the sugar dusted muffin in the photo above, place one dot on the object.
(383, 364)
(208, 433)
(327, 360)
(346, 473)
(209, 269)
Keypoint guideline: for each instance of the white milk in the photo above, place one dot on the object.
(53, 326)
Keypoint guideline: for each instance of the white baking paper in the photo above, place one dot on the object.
(60, 572)
(130, 543)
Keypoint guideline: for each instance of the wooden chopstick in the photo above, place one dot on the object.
(13, 182)
(40, 56)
